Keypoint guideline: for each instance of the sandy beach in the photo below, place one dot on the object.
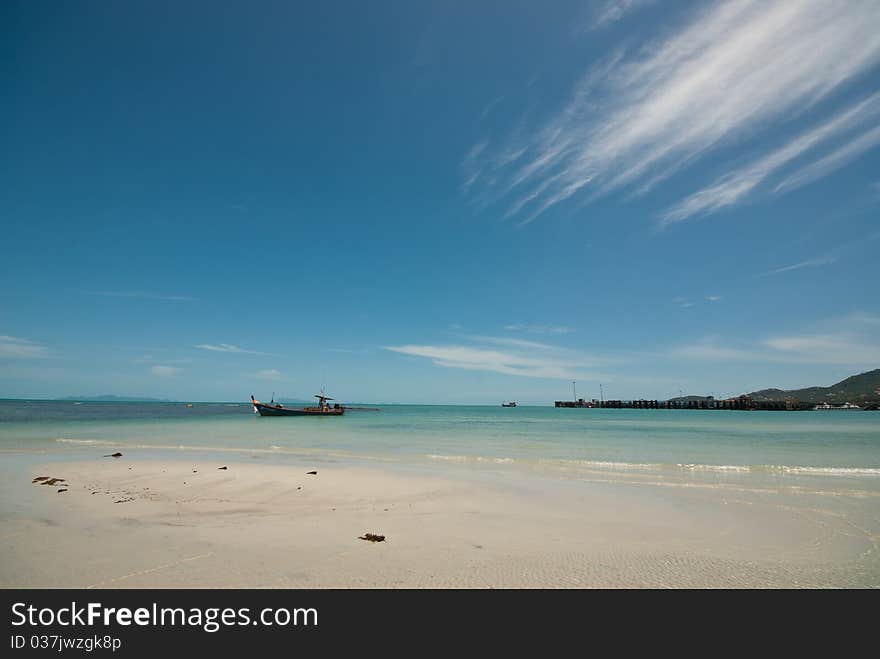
(130, 523)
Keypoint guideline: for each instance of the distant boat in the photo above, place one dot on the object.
(510, 404)
(845, 406)
(189, 404)
(277, 409)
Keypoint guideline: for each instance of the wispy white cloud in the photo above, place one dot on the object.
(226, 347)
(512, 343)
(613, 10)
(164, 371)
(489, 107)
(507, 356)
(851, 341)
(843, 348)
(268, 374)
(480, 359)
(737, 185)
(832, 161)
(538, 329)
(713, 350)
(864, 320)
(811, 263)
(470, 166)
(143, 295)
(738, 67)
(149, 359)
(713, 298)
(14, 347)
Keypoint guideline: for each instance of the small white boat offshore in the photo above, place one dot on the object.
(845, 406)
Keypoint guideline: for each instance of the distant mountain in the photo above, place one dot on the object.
(856, 389)
(113, 398)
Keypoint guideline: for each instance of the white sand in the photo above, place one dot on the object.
(136, 523)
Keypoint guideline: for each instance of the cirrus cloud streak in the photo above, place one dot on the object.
(226, 347)
(14, 347)
(735, 69)
(520, 358)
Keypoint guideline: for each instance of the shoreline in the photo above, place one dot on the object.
(74, 448)
(140, 522)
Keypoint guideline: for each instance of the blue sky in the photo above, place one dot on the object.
(437, 202)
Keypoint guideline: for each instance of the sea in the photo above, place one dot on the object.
(818, 444)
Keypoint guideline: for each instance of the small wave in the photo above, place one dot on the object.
(604, 464)
(449, 458)
(599, 465)
(271, 449)
(470, 458)
(719, 468)
(789, 469)
(89, 442)
(833, 471)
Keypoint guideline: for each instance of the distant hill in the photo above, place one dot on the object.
(113, 398)
(860, 388)
(688, 399)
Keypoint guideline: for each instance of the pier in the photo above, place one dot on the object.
(709, 403)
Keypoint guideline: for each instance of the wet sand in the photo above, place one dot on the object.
(130, 523)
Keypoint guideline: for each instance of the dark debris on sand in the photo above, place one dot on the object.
(312, 473)
(372, 537)
(47, 480)
(114, 455)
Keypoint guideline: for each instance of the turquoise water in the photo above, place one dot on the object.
(841, 443)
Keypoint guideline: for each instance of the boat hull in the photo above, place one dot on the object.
(271, 410)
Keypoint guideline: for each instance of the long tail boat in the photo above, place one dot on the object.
(323, 408)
